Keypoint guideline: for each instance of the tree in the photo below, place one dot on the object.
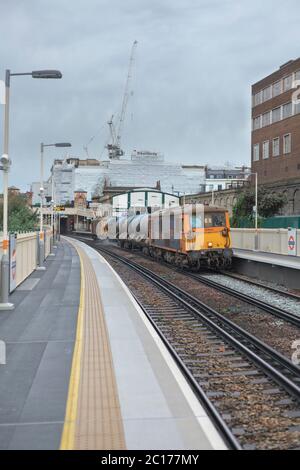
(268, 205)
(20, 217)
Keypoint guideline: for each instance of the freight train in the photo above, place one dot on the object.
(184, 236)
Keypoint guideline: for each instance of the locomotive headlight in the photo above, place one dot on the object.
(209, 244)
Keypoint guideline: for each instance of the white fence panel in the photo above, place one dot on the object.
(269, 240)
(26, 255)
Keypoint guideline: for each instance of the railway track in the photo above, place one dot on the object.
(251, 391)
(273, 310)
(250, 299)
(250, 312)
(262, 285)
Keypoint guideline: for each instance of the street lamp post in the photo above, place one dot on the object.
(256, 209)
(256, 201)
(5, 161)
(58, 228)
(256, 212)
(52, 206)
(41, 235)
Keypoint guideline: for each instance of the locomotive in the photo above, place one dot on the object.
(184, 236)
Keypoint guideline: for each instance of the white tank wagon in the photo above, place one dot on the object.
(138, 229)
(104, 227)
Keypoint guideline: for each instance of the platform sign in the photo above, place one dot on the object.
(292, 241)
(12, 262)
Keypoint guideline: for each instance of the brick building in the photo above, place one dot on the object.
(276, 133)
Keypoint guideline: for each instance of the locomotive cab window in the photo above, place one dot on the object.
(196, 221)
(215, 220)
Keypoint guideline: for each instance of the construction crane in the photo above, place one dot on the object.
(86, 147)
(114, 148)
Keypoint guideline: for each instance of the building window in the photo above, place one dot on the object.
(276, 114)
(266, 93)
(287, 110)
(287, 82)
(297, 75)
(277, 88)
(219, 187)
(276, 147)
(257, 99)
(255, 152)
(266, 149)
(287, 143)
(256, 123)
(266, 119)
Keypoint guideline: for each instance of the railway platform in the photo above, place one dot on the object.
(281, 269)
(86, 370)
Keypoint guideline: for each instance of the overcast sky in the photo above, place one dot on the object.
(195, 63)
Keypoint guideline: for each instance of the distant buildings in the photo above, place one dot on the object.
(275, 134)
(141, 200)
(275, 142)
(225, 177)
(102, 179)
(144, 169)
(14, 191)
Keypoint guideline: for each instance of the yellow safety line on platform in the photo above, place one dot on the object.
(68, 434)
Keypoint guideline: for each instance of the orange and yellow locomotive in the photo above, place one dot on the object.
(193, 235)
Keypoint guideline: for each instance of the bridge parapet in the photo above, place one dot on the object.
(82, 212)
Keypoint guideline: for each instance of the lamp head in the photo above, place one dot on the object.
(46, 74)
(63, 144)
(5, 161)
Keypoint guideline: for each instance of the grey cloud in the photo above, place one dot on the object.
(196, 61)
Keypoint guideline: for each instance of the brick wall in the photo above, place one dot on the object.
(284, 167)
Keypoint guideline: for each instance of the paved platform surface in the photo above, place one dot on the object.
(286, 261)
(157, 407)
(86, 370)
(39, 335)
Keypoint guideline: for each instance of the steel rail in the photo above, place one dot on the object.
(225, 431)
(195, 305)
(276, 311)
(220, 424)
(260, 284)
(241, 341)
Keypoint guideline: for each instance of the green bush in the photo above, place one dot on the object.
(268, 206)
(20, 217)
